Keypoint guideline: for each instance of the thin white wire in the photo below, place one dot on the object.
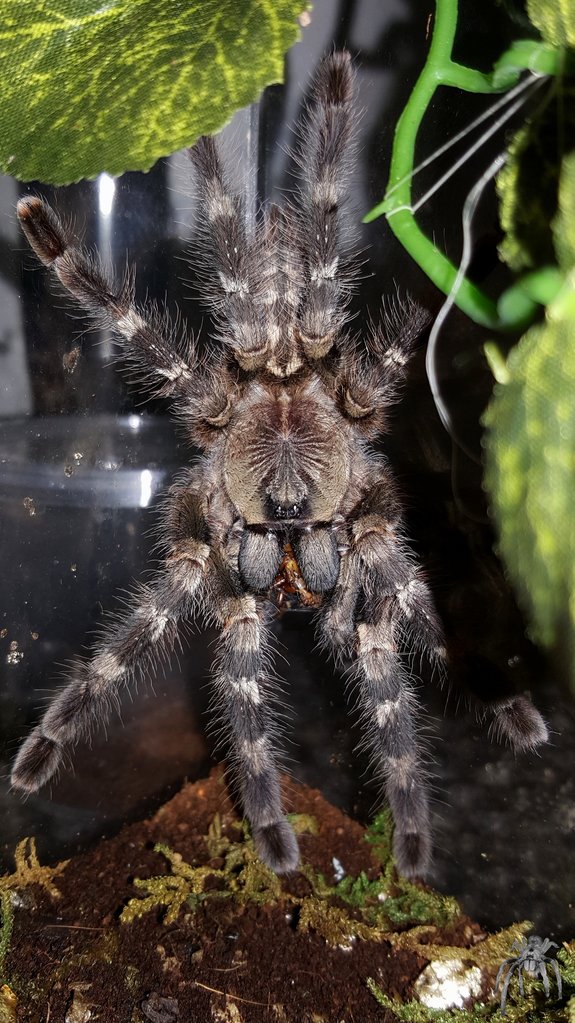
(473, 149)
(503, 101)
(469, 208)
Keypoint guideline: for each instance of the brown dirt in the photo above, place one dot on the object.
(71, 959)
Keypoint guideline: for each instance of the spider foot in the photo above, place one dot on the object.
(520, 723)
(277, 846)
(38, 760)
(412, 851)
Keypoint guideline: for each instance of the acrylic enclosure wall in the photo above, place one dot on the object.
(83, 463)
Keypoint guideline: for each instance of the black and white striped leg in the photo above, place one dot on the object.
(369, 386)
(373, 577)
(388, 706)
(322, 153)
(236, 273)
(161, 360)
(390, 573)
(244, 704)
(138, 640)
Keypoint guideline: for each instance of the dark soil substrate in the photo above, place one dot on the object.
(71, 958)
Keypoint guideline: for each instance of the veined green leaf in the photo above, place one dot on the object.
(112, 85)
(555, 19)
(530, 451)
(530, 474)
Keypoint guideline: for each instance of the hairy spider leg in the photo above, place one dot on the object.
(379, 595)
(337, 627)
(323, 155)
(388, 705)
(517, 721)
(542, 971)
(370, 379)
(266, 303)
(158, 357)
(236, 272)
(395, 600)
(518, 964)
(150, 345)
(244, 705)
(136, 642)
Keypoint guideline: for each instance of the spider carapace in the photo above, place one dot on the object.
(290, 498)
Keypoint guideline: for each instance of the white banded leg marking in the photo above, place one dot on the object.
(105, 668)
(240, 616)
(325, 272)
(218, 204)
(387, 710)
(233, 285)
(408, 593)
(395, 357)
(189, 554)
(257, 754)
(403, 770)
(158, 624)
(247, 688)
(131, 324)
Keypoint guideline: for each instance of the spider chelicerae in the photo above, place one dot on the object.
(532, 957)
(289, 499)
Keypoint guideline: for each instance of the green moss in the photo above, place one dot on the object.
(303, 823)
(334, 924)
(391, 899)
(132, 979)
(377, 904)
(28, 872)
(168, 892)
(415, 905)
(8, 1005)
(6, 926)
(361, 908)
(379, 836)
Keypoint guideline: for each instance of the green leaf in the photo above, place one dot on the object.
(564, 226)
(89, 86)
(555, 19)
(530, 452)
(530, 473)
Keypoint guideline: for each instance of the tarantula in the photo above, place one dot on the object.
(288, 500)
(531, 957)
